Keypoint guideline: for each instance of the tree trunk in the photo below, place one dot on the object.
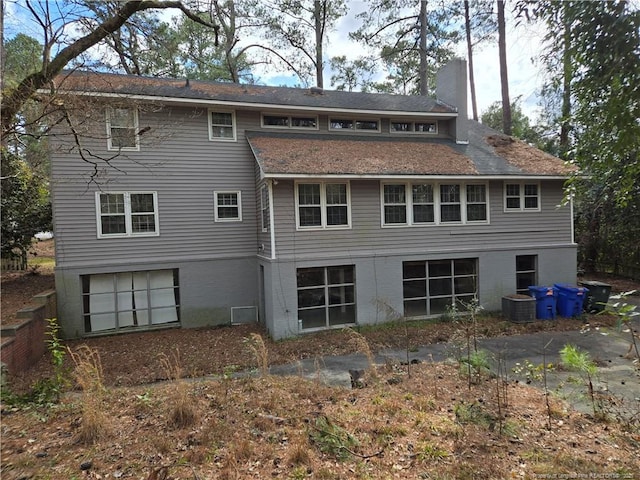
(567, 73)
(423, 47)
(472, 83)
(504, 77)
(319, 15)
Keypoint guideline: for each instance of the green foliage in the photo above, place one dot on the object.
(46, 391)
(25, 205)
(575, 359)
(331, 438)
(477, 364)
(520, 124)
(23, 56)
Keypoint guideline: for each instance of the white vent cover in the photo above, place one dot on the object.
(242, 315)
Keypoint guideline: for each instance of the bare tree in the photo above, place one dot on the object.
(504, 77)
(15, 99)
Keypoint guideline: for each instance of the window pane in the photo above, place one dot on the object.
(339, 275)
(113, 224)
(304, 122)
(395, 214)
(222, 132)
(466, 266)
(143, 223)
(337, 123)
(465, 285)
(450, 193)
(440, 268)
(123, 137)
(524, 281)
(310, 277)
(142, 202)
(531, 202)
(414, 289)
(312, 297)
(513, 190)
(525, 262)
(422, 193)
(310, 217)
(227, 199)
(122, 117)
(222, 118)
(340, 295)
(425, 127)
(423, 214)
(275, 121)
(228, 212)
(309, 194)
(111, 203)
(401, 126)
(440, 286)
(513, 202)
(415, 308)
(450, 213)
(336, 193)
(439, 306)
(337, 216)
(314, 318)
(476, 212)
(342, 315)
(413, 270)
(394, 194)
(476, 194)
(367, 125)
(531, 189)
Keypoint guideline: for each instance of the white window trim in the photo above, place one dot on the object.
(217, 217)
(436, 205)
(355, 120)
(522, 197)
(136, 127)
(395, 132)
(127, 216)
(323, 206)
(290, 116)
(210, 124)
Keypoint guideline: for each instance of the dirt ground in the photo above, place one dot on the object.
(409, 421)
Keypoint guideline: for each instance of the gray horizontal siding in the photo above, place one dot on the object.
(550, 226)
(184, 168)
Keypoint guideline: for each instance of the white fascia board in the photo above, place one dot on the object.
(409, 177)
(261, 106)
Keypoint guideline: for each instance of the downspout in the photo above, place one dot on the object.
(573, 233)
(272, 232)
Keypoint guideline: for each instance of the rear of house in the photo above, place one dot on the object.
(183, 203)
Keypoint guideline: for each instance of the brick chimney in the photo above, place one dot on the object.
(451, 88)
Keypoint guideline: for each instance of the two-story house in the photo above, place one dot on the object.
(188, 203)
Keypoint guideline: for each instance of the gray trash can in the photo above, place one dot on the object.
(598, 295)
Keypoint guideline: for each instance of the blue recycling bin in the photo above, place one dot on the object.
(545, 301)
(570, 299)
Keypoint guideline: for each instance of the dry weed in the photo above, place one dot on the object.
(88, 375)
(258, 349)
(359, 342)
(182, 412)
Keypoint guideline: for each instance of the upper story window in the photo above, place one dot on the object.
(222, 125)
(122, 129)
(413, 127)
(427, 203)
(127, 214)
(521, 197)
(323, 205)
(359, 124)
(264, 207)
(227, 206)
(290, 121)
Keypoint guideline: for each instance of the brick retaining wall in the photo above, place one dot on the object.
(25, 342)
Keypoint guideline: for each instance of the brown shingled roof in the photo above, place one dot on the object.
(527, 158)
(357, 157)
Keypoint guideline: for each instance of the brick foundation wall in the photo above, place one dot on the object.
(24, 343)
